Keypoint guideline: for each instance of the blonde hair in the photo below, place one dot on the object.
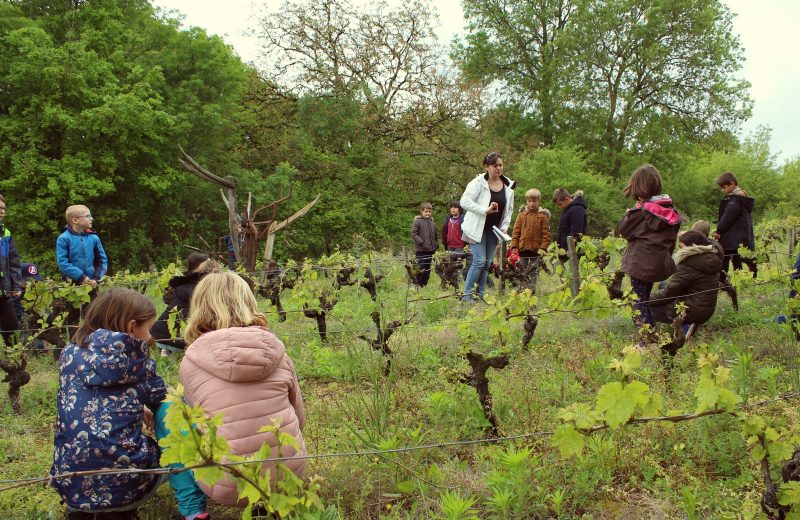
(221, 300)
(75, 211)
(533, 193)
(702, 227)
(207, 266)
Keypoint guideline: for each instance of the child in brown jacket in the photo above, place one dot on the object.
(650, 227)
(531, 234)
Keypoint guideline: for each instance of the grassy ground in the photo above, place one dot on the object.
(691, 470)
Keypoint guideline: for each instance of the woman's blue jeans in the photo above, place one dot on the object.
(482, 256)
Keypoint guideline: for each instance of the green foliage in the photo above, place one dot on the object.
(454, 507)
(509, 483)
(193, 441)
(94, 99)
(692, 183)
(710, 393)
(566, 167)
(615, 78)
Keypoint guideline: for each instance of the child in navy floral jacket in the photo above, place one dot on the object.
(107, 389)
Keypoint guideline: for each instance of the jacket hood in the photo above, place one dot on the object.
(747, 202)
(183, 279)
(506, 181)
(89, 231)
(237, 354)
(705, 259)
(661, 207)
(578, 201)
(524, 209)
(112, 358)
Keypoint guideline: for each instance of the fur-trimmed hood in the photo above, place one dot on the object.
(705, 259)
(524, 209)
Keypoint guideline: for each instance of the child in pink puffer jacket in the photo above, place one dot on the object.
(235, 366)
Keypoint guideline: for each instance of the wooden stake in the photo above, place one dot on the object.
(574, 279)
(233, 222)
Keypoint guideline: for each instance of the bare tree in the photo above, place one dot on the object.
(387, 58)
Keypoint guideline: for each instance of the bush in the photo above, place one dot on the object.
(565, 167)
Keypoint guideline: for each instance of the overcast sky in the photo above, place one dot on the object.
(767, 29)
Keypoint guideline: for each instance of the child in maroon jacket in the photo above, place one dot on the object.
(451, 235)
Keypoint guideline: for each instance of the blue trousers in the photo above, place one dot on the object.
(482, 256)
(191, 499)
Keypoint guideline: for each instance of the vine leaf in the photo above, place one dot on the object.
(617, 403)
(789, 493)
(780, 451)
(707, 394)
(728, 400)
(568, 441)
(209, 475)
(581, 414)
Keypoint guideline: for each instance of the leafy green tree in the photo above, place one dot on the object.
(655, 74)
(521, 45)
(94, 99)
(696, 194)
(616, 78)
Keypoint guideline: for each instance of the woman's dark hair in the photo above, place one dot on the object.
(194, 260)
(693, 238)
(491, 158)
(113, 310)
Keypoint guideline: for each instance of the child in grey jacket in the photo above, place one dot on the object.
(426, 242)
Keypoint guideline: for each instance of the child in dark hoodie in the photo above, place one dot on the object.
(108, 388)
(650, 228)
(695, 282)
(573, 221)
(735, 223)
(178, 295)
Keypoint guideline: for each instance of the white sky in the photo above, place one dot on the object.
(767, 30)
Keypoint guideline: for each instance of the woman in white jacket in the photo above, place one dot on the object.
(488, 201)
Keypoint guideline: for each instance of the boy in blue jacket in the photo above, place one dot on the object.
(80, 255)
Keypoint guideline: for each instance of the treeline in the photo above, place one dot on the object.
(366, 108)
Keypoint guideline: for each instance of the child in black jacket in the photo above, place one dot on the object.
(735, 223)
(179, 292)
